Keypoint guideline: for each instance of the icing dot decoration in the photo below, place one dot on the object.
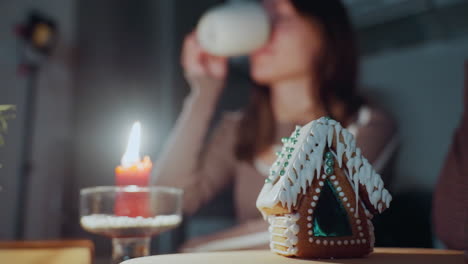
(284, 140)
(311, 240)
(321, 183)
(309, 218)
(282, 172)
(310, 232)
(267, 180)
(317, 241)
(325, 242)
(329, 162)
(309, 225)
(332, 243)
(310, 211)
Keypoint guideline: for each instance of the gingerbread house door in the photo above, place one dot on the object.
(332, 221)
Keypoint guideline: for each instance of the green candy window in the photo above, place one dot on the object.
(330, 217)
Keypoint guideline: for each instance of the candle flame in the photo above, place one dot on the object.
(132, 154)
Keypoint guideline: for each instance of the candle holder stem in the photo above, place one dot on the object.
(128, 248)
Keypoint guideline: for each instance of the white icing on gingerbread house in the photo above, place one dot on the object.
(321, 160)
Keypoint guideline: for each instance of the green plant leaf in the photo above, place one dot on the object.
(3, 124)
(4, 108)
(5, 115)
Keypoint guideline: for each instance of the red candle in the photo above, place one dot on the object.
(133, 171)
(137, 174)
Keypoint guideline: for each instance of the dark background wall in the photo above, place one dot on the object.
(49, 155)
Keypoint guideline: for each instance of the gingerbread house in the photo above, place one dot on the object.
(321, 195)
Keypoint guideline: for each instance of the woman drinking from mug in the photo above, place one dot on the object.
(308, 69)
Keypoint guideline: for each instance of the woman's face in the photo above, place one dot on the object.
(293, 49)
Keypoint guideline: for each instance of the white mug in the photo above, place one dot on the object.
(234, 29)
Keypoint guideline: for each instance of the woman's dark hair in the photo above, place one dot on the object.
(338, 74)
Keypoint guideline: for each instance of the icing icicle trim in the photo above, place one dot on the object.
(302, 159)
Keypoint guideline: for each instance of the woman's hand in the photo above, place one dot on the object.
(202, 70)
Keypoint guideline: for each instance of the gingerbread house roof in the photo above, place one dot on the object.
(301, 161)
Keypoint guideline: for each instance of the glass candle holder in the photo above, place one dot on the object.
(130, 216)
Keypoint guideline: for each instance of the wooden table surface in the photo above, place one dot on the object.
(381, 256)
(47, 252)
